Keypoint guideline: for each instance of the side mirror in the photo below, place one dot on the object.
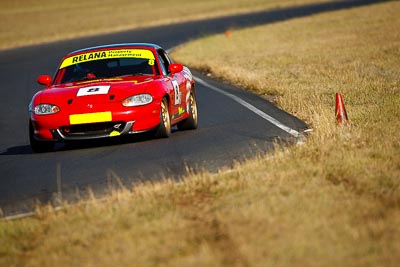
(175, 68)
(44, 80)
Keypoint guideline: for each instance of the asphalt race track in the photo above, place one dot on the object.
(228, 130)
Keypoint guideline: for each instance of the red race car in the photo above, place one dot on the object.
(109, 91)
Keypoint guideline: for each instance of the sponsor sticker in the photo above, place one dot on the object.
(181, 111)
(187, 73)
(114, 133)
(98, 55)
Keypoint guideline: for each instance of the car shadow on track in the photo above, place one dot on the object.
(18, 150)
(76, 145)
(84, 144)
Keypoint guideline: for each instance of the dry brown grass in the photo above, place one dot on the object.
(351, 175)
(26, 22)
(333, 201)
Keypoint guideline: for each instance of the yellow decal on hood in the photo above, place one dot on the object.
(144, 81)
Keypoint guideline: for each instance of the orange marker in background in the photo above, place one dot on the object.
(341, 114)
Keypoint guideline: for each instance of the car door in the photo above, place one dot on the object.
(178, 82)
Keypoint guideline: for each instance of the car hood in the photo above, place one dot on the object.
(96, 91)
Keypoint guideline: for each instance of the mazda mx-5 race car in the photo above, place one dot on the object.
(109, 91)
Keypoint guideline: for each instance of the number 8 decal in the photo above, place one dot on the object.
(178, 96)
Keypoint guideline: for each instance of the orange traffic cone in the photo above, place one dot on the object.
(228, 33)
(341, 115)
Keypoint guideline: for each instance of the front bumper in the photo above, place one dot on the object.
(93, 131)
(124, 121)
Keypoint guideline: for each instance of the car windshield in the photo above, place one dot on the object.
(106, 64)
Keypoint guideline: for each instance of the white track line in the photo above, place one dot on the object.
(18, 216)
(265, 116)
(252, 108)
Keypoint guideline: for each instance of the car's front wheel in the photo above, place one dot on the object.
(164, 129)
(191, 122)
(39, 146)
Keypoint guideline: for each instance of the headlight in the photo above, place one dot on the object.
(46, 109)
(137, 100)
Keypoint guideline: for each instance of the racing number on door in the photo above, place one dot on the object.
(178, 96)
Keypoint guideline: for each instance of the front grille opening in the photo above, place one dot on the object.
(92, 129)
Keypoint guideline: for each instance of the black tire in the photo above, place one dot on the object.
(192, 121)
(164, 129)
(39, 146)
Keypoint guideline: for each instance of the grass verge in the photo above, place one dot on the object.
(27, 22)
(333, 201)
